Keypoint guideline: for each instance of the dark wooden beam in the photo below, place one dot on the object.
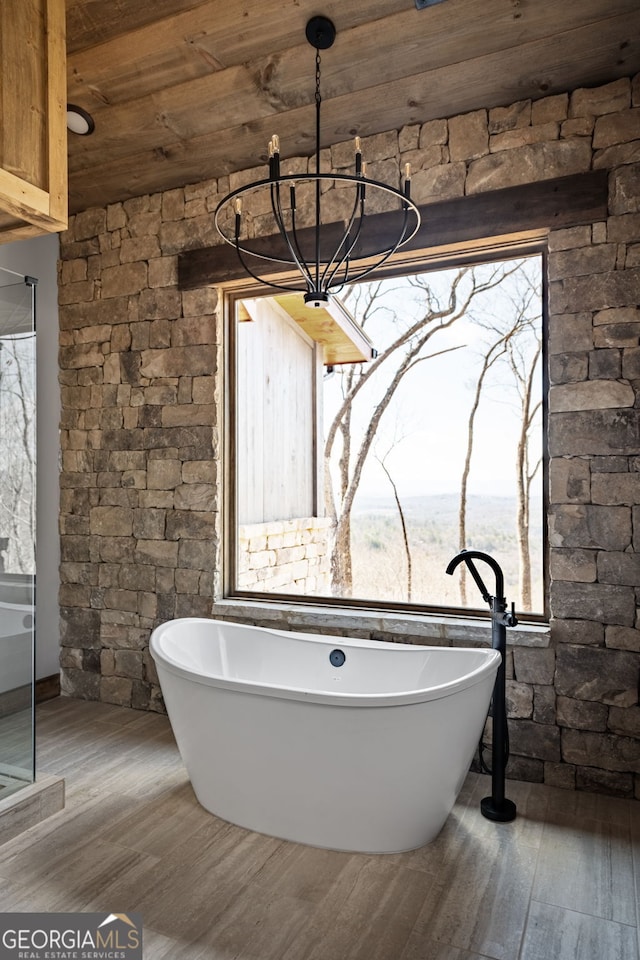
(544, 205)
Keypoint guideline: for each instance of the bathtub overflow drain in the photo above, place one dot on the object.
(337, 658)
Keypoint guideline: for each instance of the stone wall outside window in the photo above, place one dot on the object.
(139, 360)
(285, 556)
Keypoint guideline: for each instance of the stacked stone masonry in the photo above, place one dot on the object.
(141, 398)
(285, 556)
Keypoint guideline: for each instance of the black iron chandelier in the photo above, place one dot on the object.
(316, 223)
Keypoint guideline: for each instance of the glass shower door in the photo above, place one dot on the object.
(17, 530)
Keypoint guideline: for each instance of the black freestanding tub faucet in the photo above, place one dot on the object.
(497, 806)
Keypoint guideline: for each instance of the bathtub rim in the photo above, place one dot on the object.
(490, 658)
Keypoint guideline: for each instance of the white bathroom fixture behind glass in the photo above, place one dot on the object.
(348, 744)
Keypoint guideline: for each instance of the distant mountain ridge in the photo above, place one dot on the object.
(443, 509)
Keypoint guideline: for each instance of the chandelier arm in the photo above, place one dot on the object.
(345, 240)
(345, 264)
(389, 253)
(334, 265)
(266, 283)
(294, 246)
(294, 250)
(391, 250)
(296, 242)
(328, 278)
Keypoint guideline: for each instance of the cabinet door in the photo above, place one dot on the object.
(33, 133)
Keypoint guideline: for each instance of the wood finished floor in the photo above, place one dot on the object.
(560, 883)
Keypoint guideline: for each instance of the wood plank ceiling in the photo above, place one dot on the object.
(183, 91)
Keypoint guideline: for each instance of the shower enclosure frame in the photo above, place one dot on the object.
(17, 588)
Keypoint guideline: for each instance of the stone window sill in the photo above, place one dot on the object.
(392, 625)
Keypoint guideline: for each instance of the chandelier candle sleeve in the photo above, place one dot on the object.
(274, 157)
(358, 157)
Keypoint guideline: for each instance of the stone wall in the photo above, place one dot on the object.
(141, 488)
(285, 556)
(138, 360)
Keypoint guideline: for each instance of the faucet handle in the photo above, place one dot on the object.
(510, 619)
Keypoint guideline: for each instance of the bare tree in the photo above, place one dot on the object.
(403, 524)
(17, 427)
(406, 349)
(521, 348)
(524, 356)
(524, 368)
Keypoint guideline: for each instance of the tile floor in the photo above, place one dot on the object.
(560, 883)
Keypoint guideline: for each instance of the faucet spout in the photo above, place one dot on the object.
(468, 556)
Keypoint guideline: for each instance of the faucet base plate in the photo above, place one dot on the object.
(502, 812)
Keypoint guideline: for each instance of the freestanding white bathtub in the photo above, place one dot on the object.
(348, 744)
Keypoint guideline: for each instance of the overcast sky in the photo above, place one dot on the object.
(424, 430)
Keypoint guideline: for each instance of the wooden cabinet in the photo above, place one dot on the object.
(33, 132)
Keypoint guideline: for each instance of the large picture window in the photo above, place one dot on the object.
(374, 439)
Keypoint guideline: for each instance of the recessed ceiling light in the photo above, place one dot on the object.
(79, 121)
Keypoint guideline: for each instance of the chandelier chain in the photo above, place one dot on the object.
(318, 97)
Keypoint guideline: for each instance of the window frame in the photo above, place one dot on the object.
(424, 261)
